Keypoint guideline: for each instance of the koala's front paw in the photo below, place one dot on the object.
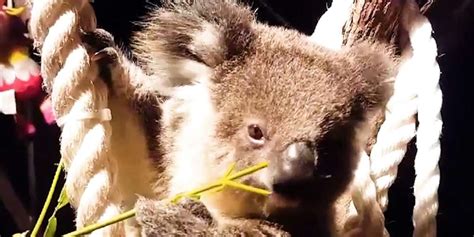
(161, 218)
(101, 48)
(252, 228)
(196, 208)
(97, 40)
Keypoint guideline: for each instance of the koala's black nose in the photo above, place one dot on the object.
(294, 168)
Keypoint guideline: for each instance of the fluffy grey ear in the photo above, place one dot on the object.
(375, 65)
(184, 40)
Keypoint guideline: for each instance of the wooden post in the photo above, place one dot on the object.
(377, 19)
(373, 19)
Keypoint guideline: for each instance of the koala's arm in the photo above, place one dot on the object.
(135, 121)
(123, 76)
(191, 218)
(129, 85)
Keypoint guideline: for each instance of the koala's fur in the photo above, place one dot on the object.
(209, 70)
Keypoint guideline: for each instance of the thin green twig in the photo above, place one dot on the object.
(228, 179)
(90, 228)
(248, 171)
(35, 230)
(224, 181)
(247, 188)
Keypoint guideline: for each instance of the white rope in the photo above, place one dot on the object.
(396, 132)
(399, 126)
(430, 124)
(328, 31)
(80, 102)
(416, 91)
(365, 215)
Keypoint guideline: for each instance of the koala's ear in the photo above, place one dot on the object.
(182, 42)
(375, 65)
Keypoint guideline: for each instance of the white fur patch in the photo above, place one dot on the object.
(206, 38)
(207, 42)
(129, 149)
(190, 71)
(292, 152)
(192, 140)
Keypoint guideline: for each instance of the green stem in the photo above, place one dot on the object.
(216, 185)
(248, 171)
(221, 182)
(246, 187)
(48, 200)
(90, 228)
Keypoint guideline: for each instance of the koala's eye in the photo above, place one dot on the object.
(255, 134)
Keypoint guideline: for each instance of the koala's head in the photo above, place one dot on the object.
(247, 92)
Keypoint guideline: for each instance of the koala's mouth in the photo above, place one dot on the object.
(281, 206)
(279, 200)
(291, 195)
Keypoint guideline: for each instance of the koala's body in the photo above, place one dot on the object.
(222, 88)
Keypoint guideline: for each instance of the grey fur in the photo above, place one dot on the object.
(191, 218)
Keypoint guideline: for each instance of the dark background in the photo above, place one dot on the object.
(452, 21)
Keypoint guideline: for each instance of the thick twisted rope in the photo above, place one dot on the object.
(365, 218)
(80, 103)
(365, 213)
(398, 128)
(395, 133)
(430, 125)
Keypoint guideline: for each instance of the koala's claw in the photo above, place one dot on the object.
(106, 56)
(196, 208)
(100, 46)
(97, 40)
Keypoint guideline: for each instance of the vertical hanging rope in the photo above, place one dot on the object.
(399, 127)
(80, 103)
(328, 31)
(396, 132)
(364, 213)
(430, 123)
(366, 218)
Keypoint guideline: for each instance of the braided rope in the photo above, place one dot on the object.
(80, 104)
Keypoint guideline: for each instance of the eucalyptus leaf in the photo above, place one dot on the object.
(63, 200)
(53, 222)
(51, 227)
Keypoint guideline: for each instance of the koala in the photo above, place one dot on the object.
(215, 87)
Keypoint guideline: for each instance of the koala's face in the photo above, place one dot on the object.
(247, 93)
(292, 104)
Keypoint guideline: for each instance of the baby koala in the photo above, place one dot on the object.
(227, 89)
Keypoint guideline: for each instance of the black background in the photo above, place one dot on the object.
(452, 22)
